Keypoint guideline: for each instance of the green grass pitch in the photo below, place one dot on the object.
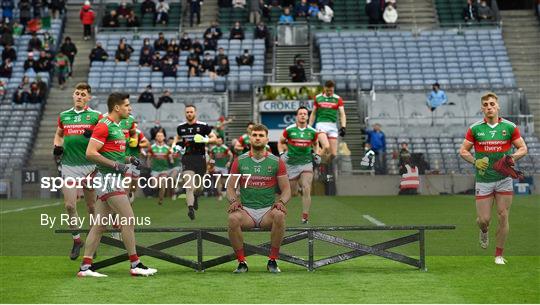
(35, 268)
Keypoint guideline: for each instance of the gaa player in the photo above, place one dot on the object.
(193, 136)
(158, 156)
(326, 107)
(242, 145)
(74, 129)
(135, 141)
(295, 146)
(175, 167)
(223, 157)
(261, 172)
(492, 139)
(107, 148)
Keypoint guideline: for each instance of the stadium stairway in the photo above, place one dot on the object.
(241, 108)
(521, 33)
(285, 58)
(419, 13)
(209, 13)
(355, 136)
(60, 100)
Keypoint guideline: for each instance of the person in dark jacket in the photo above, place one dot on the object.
(470, 12)
(98, 53)
(169, 68)
(146, 59)
(161, 43)
(261, 32)
(220, 55)
(9, 52)
(245, 59)
(44, 63)
(132, 20)
(123, 52)
(157, 62)
(111, 20)
(148, 7)
(195, 9)
(6, 69)
(30, 63)
(297, 72)
(147, 96)
(57, 7)
(165, 98)
(25, 13)
(69, 48)
(185, 42)
(222, 69)
(237, 32)
(34, 43)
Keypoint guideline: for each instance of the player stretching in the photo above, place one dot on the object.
(492, 139)
(135, 141)
(70, 141)
(295, 146)
(158, 155)
(107, 149)
(193, 136)
(325, 114)
(257, 206)
(221, 154)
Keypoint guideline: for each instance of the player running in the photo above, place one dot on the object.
(258, 206)
(242, 144)
(492, 139)
(295, 146)
(175, 168)
(74, 129)
(107, 148)
(325, 114)
(158, 156)
(135, 142)
(193, 136)
(223, 157)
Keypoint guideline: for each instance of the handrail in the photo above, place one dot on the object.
(274, 53)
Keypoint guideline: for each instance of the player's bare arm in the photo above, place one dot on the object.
(312, 116)
(342, 117)
(285, 187)
(282, 144)
(521, 149)
(465, 151)
(234, 201)
(59, 137)
(92, 153)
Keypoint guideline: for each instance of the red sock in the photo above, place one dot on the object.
(240, 255)
(87, 260)
(133, 258)
(498, 251)
(77, 240)
(304, 215)
(274, 253)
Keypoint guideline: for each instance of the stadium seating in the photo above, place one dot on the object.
(105, 76)
(450, 13)
(394, 60)
(175, 13)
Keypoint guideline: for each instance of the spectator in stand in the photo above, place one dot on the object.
(377, 141)
(239, 4)
(165, 98)
(374, 11)
(44, 63)
(221, 54)
(194, 9)
(145, 59)
(485, 13)
(7, 9)
(111, 20)
(194, 66)
(222, 68)
(210, 43)
(2, 86)
(69, 48)
(470, 12)
(22, 94)
(87, 17)
(36, 94)
(62, 68)
(157, 62)
(169, 69)
(301, 9)
(410, 179)
(390, 15)
(208, 65)
(262, 32)
(124, 10)
(197, 47)
(326, 14)
(403, 153)
(255, 11)
(25, 13)
(436, 97)
(286, 17)
(147, 46)
(157, 128)
(245, 59)
(213, 32)
(123, 52)
(161, 43)
(313, 10)
(98, 54)
(48, 40)
(185, 42)
(172, 55)
(162, 12)
(38, 7)
(237, 32)
(30, 63)
(6, 34)
(57, 7)
(297, 72)
(34, 44)
(147, 96)
(224, 3)
(174, 46)
(132, 20)
(6, 69)
(9, 52)
(148, 7)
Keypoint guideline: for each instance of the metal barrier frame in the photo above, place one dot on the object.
(309, 233)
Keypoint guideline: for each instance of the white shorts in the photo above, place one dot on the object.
(222, 170)
(109, 188)
(81, 171)
(294, 171)
(176, 169)
(160, 173)
(488, 189)
(330, 129)
(257, 214)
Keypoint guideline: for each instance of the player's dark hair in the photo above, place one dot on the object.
(259, 127)
(330, 84)
(116, 98)
(83, 86)
(300, 108)
(192, 106)
(250, 123)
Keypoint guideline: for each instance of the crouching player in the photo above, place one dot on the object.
(107, 148)
(257, 206)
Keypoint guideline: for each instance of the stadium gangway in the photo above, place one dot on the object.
(299, 233)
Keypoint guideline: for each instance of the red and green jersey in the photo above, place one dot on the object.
(299, 143)
(159, 154)
(220, 154)
(135, 151)
(244, 141)
(260, 191)
(493, 142)
(128, 124)
(73, 123)
(176, 157)
(109, 133)
(327, 107)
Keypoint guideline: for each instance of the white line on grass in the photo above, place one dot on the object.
(373, 220)
(30, 208)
